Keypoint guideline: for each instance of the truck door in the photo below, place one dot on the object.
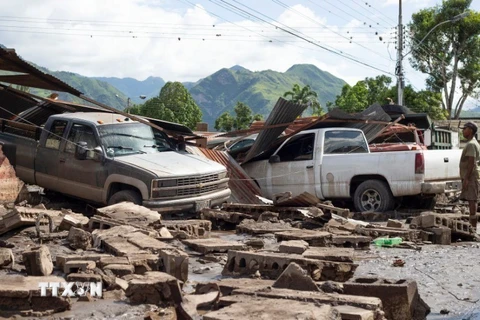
(81, 178)
(46, 159)
(295, 171)
(340, 161)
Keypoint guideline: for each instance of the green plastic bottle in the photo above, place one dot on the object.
(387, 242)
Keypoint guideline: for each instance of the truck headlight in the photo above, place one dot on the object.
(164, 183)
(222, 175)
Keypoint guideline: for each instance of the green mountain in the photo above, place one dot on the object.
(136, 90)
(98, 90)
(260, 90)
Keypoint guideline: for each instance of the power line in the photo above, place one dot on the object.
(303, 38)
(388, 22)
(326, 27)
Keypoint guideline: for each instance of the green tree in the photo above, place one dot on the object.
(304, 95)
(377, 90)
(175, 104)
(450, 53)
(257, 117)
(243, 116)
(225, 122)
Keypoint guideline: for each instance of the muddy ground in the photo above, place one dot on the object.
(447, 277)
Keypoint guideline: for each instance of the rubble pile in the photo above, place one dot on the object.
(307, 255)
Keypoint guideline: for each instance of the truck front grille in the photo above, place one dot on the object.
(197, 180)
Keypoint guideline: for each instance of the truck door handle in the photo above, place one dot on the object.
(309, 167)
(445, 159)
(62, 159)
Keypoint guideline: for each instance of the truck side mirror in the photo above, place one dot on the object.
(81, 150)
(274, 159)
(96, 154)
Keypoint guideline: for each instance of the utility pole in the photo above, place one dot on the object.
(399, 69)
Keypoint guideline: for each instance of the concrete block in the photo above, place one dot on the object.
(400, 298)
(394, 224)
(147, 243)
(435, 220)
(76, 220)
(441, 235)
(74, 266)
(153, 288)
(6, 257)
(38, 261)
(312, 237)
(293, 246)
(95, 257)
(253, 227)
(271, 265)
(210, 245)
(330, 254)
(120, 270)
(79, 239)
(84, 277)
(120, 246)
(295, 278)
(352, 241)
(105, 261)
(461, 228)
(175, 263)
(355, 313)
(188, 229)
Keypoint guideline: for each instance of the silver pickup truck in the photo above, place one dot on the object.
(107, 158)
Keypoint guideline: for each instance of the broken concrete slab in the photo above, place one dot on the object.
(312, 237)
(153, 288)
(23, 216)
(369, 303)
(224, 220)
(146, 243)
(295, 278)
(114, 295)
(395, 224)
(354, 313)
(6, 258)
(351, 241)
(174, 262)
(293, 246)
(130, 213)
(84, 277)
(253, 227)
(21, 295)
(210, 245)
(188, 229)
(188, 308)
(271, 265)
(227, 285)
(120, 270)
(277, 309)
(377, 231)
(79, 239)
(400, 298)
(74, 266)
(62, 259)
(38, 261)
(120, 246)
(330, 254)
(105, 261)
(74, 220)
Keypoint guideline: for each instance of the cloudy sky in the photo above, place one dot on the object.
(186, 40)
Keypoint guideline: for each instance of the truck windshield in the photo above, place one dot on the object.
(131, 138)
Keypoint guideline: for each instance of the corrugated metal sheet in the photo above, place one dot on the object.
(283, 112)
(31, 76)
(244, 189)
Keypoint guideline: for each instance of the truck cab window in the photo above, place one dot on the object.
(55, 135)
(298, 148)
(80, 132)
(343, 141)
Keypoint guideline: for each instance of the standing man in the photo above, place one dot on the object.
(469, 171)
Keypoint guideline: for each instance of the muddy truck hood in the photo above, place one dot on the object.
(172, 163)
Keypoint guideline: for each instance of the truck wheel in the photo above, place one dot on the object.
(373, 195)
(125, 195)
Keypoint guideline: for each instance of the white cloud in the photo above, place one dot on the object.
(140, 39)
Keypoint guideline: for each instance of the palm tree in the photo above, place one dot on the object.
(304, 95)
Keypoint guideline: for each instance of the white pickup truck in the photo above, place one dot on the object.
(336, 163)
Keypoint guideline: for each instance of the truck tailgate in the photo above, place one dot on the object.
(442, 164)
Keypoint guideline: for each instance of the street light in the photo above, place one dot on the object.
(401, 56)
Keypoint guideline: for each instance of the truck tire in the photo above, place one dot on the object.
(125, 195)
(373, 195)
